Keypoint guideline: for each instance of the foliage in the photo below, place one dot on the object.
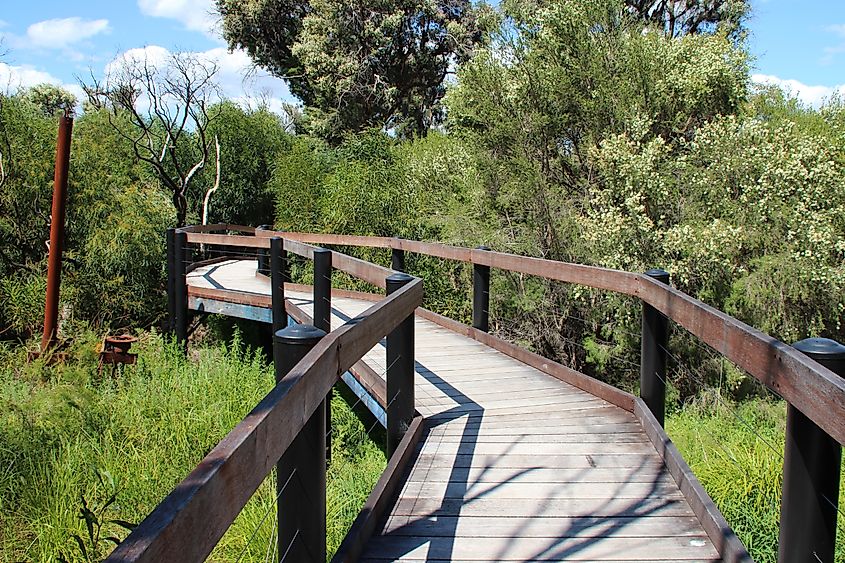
(373, 185)
(359, 66)
(22, 304)
(543, 108)
(759, 231)
(250, 139)
(117, 215)
(50, 99)
(120, 279)
(27, 150)
(680, 17)
(96, 545)
(736, 451)
(65, 424)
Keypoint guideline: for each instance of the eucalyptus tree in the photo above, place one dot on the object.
(360, 65)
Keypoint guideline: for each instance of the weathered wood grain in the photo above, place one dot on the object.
(381, 496)
(516, 438)
(203, 506)
(560, 549)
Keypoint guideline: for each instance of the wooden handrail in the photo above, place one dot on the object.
(810, 387)
(207, 501)
(218, 227)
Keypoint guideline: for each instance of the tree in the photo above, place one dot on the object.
(682, 17)
(167, 105)
(550, 109)
(250, 141)
(359, 65)
(50, 99)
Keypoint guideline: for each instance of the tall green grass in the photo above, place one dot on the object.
(736, 451)
(68, 434)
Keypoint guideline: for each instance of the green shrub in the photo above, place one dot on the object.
(67, 432)
(736, 451)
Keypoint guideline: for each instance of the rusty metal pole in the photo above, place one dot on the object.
(57, 232)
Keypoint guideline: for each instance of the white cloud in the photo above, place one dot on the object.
(13, 78)
(838, 29)
(153, 55)
(236, 77)
(196, 15)
(813, 96)
(61, 33)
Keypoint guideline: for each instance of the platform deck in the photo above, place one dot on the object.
(514, 465)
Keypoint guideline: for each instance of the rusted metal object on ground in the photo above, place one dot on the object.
(115, 350)
(57, 232)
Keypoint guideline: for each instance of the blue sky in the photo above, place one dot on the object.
(799, 45)
(802, 41)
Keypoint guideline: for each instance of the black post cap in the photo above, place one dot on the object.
(660, 275)
(398, 279)
(299, 334)
(827, 352)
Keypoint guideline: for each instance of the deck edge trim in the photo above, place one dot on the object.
(382, 496)
(724, 539)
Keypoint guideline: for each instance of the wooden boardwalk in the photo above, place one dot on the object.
(514, 464)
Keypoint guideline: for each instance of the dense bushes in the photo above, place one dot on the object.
(117, 209)
(68, 432)
(736, 451)
(602, 141)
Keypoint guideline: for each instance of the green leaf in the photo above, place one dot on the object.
(124, 524)
(81, 545)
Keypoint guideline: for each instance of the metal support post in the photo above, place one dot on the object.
(171, 281)
(181, 289)
(481, 295)
(323, 289)
(811, 465)
(323, 318)
(278, 273)
(397, 260)
(301, 471)
(57, 233)
(263, 254)
(655, 340)
(400, 372)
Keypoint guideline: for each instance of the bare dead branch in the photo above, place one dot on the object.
(165, 105)
(216, 184)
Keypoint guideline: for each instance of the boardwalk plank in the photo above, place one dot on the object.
(516, 465)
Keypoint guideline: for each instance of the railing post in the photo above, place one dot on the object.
(811, 465)
(397, 259)
(655, 340)
(301, 471)
(262, 254)
(278, 277)
(400, 372)
(323, 318)
(171, 281)
(323, 289)
(481, 295)
(180, 288)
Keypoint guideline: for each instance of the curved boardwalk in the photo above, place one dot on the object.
(515, 465)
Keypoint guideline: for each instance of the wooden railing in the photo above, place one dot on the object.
(814, 389)
(235, 468)
(815, 393)
(191, 520)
